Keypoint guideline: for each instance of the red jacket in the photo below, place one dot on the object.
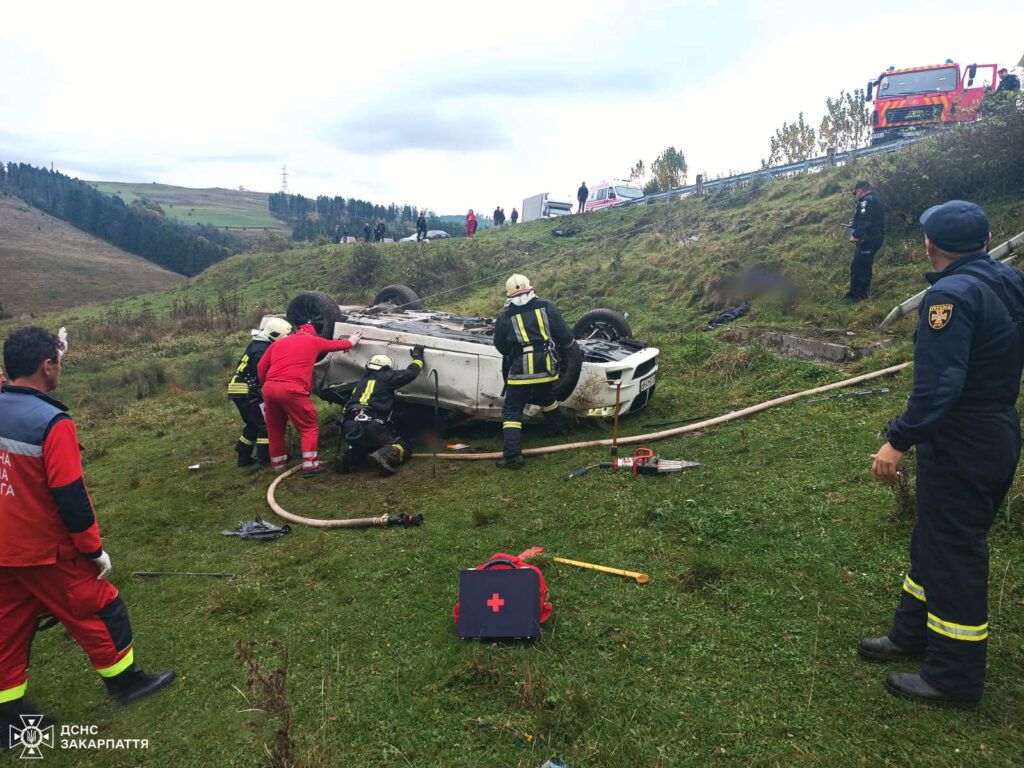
(291, 359)
(44, 504)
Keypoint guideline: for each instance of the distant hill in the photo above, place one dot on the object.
(48, 265)
(238, 210)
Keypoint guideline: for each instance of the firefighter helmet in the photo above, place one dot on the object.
(517, 284)
(275, 327)
(379, 362)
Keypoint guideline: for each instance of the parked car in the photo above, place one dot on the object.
(469, 369)
(432, 234)
(609, 193)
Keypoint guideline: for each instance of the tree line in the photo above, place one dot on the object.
(330, 216)
(140, 228)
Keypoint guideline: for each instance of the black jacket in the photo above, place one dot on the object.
(245, 383)
(527, 335)
(1010, 83)
(582, 193)
(869, 220)
(968, 349)
(375, 392)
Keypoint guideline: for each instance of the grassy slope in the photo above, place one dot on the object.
(767, 562)
(218, 207)
(48, 264)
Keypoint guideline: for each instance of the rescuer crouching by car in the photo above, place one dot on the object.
(366, 424)
(526, 333)
(52, 561)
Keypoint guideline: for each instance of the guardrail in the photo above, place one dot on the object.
(768, 174)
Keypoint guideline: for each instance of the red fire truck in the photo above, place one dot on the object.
(910, 101)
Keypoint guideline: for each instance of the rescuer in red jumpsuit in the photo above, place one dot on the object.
(52, 561)
(470, 224)
(286, 376)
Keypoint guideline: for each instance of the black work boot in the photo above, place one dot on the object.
(914, 687)
(556, 423)
(134, 684)
(262, 455)
(343, 464)
(388, 458)
(244, 452)
(884, 649)
(510, 462)
(11, 717)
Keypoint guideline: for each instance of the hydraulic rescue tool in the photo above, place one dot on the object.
(642, 462)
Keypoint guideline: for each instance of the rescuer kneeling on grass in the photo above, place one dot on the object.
(286, 375)
(366, 424)
(526, 333)
(244, 391)
(962, 416)
(52, 561)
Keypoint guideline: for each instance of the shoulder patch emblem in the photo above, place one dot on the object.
(939, 315)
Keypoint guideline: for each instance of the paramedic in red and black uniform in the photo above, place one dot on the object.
(52, 561)
(286, 376)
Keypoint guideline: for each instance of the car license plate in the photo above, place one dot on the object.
(647, 383)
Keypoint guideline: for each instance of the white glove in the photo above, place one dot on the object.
(62, 338)
(355, 337)
(103, 564)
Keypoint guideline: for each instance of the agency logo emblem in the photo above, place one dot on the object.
(31, 736)
(939, 315)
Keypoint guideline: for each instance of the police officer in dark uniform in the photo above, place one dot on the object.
(526, 333)
(968, 357)
(867, 233)
(244, 391)
(366, 424)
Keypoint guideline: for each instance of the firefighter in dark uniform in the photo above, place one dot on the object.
(244, 391)
(527, 333)
(961, 415)
(866, 234)
(52, 559)
(366, 424)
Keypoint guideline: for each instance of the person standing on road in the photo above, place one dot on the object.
(286, 375)
(52, 561)
(366, 424)
(961, 415)
(470, 224)
(868, 231)
(581, 196)
(421, 227)
(526, 333)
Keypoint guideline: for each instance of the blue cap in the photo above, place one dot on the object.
(956, 226)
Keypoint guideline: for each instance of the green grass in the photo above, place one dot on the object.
(216, 207)
(767, 562)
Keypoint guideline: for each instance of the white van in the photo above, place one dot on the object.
(608, 193)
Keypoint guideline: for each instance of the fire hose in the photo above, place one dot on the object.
(387, 520)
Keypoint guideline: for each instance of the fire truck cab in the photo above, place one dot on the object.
(910, 101)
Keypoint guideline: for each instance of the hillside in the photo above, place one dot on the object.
(49, 265)
(235, 209)
(767, 562)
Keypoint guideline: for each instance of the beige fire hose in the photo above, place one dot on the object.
(366, 522)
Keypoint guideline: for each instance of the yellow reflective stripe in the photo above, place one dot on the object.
(418, 362)
(916, 590)
(401, 451)
(511, 425)
(244, 440)
(262, 441)
(242, 364)
(121, 666)
(364, 399)
(524, 336)
(13, 693)
(551, 407)
(957, 631)
(539, 379)
(529, 363)
(547, 361)
(238, 388)
(540, 324)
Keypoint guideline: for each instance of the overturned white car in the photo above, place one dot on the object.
(605, 363)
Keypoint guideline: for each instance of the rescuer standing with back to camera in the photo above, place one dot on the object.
(526, 333)
(962, 416)
(867, 233)
(52, 561)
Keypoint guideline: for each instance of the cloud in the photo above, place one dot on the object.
(422, 127)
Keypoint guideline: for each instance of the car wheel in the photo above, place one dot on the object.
(570, 363)
(402, 296)
(604, 324)
(316, 308)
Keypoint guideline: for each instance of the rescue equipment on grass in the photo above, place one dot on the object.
(258, 529)
(642, 462)
(640, 578)
(504, 597)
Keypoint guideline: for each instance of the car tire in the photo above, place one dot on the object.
(570, 364)
(604, 324)
(316, 308)
(402, 296)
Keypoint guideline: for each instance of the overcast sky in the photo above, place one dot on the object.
(447, 105)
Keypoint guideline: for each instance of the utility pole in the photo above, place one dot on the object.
(284, 179)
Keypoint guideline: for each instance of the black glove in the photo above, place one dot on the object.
(417, 352)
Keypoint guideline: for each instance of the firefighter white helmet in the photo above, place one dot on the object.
(379, 362)
(275, 327)
(517, 284)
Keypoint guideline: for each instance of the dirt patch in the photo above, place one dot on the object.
(820, 346)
